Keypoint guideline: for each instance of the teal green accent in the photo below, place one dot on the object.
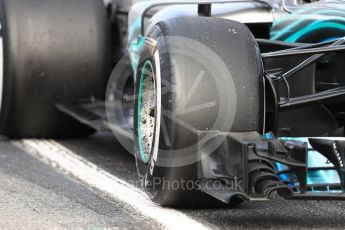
(315, 159)
(289, 16)
(312, 27)
(141, 88)
(289, 28)
(323, 177)
(135, 25)
(134, 51)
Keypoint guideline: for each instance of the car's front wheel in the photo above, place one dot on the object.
(199, 74)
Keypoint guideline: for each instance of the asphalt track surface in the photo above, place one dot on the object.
(37, 193)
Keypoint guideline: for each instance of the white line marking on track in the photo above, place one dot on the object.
(64, 159)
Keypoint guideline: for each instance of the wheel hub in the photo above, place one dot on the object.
(146, 111)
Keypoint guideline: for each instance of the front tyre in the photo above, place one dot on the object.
(200, 74)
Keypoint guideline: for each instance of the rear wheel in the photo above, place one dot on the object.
(199, 74)
(53, 52)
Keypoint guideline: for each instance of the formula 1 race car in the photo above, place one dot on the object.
(219, 101)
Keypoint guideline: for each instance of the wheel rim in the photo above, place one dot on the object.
(147, 104)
